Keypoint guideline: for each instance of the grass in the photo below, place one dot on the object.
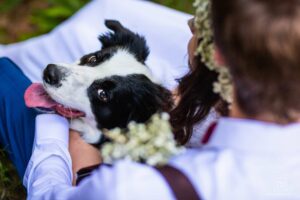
(36, 17)
(10, 184)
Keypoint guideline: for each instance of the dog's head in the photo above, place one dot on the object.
(112, 86)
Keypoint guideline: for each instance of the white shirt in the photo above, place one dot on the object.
(200, 129)
(244, 159)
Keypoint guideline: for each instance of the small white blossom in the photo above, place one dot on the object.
(152, 143)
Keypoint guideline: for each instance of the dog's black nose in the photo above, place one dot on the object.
(52, 75)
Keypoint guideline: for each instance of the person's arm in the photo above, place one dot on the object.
(50, 162)
(83, 155)
(49, 172)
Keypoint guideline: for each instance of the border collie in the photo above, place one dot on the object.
(105, 89)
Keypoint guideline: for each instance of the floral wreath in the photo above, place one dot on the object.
(223, 86)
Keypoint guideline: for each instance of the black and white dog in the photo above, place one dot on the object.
(108, 88)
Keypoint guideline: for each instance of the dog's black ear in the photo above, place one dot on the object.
(148, 98)
(124, 38)
(116, 26)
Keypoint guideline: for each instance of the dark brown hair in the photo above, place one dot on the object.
(196, 100)
(260, 40)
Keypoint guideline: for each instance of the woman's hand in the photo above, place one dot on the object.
(82, 154)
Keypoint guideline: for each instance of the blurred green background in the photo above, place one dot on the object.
(23, 19)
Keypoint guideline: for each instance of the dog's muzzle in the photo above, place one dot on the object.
(53, 75)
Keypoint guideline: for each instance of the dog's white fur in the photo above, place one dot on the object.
(73, 90)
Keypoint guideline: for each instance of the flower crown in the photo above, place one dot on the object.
(223, 85)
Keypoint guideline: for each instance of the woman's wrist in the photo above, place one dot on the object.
(83, 154)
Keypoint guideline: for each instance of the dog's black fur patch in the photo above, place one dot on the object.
(99, 57)
(130, 98)
(122, 37)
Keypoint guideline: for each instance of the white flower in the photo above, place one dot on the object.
(152, 143)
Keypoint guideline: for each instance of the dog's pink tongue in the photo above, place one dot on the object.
(36, 96)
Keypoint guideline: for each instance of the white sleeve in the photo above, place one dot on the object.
(50, 163)
(49, 172)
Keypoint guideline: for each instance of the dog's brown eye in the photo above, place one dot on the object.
(102, 95)
(92, 59)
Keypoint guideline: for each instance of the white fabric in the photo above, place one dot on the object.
(244, 159)
(247, 159)
(201, 128)
(165, 30)
(50, 150)
(49, 172)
